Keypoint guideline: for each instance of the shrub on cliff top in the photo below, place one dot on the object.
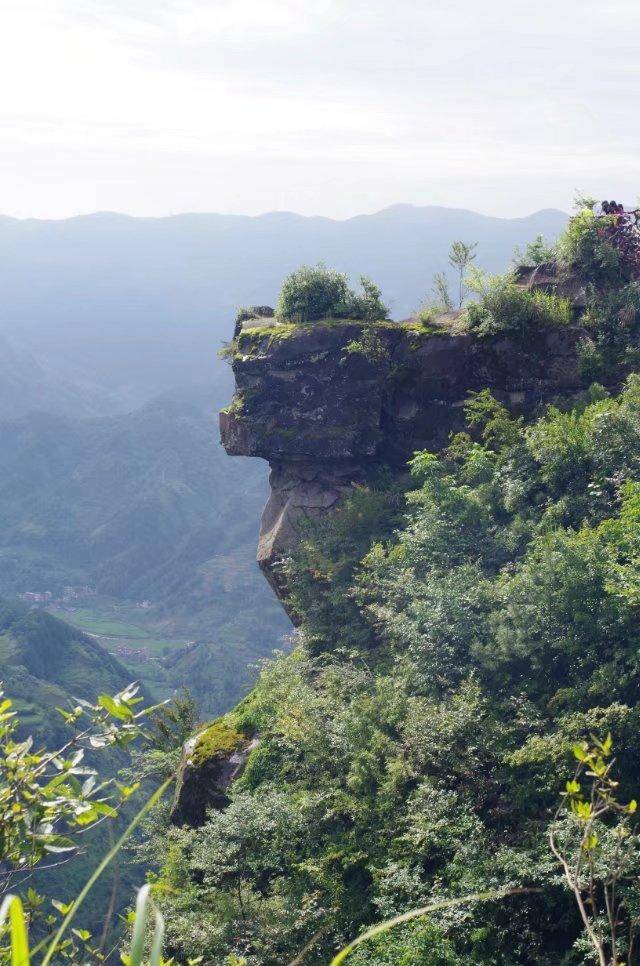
(316, 292)
(512, 310)
(602, 244)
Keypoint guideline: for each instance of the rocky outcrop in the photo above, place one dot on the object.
(548, 277)
(211, 761)
(327, 403)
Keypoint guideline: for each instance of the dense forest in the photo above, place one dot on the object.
(457, 726)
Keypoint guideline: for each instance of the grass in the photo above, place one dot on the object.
(284, 330)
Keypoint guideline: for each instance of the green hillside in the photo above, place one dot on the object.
(46, 661)
(145, 509)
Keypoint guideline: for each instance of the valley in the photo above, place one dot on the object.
(137, 528)
(112, 478)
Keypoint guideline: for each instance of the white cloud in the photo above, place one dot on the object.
(332, 107)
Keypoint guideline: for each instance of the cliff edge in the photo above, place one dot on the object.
(327, 403)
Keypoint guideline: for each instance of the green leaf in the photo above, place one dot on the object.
(60, 844)
(12, 906)
(140, 926)
(62, 907)
(102, 865)
(115, 708)
(581, 809)
(104, 809)
(127, 790)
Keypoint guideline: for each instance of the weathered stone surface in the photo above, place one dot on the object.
(303, 395)
(327, 403)
(251, 316)
(203, 785)
(299, 491)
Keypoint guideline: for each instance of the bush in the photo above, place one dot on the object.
(317, 292)
(368, 306)
(613, 317)
(417, 942)
(312, 292)
(507, 308)
(602, 246)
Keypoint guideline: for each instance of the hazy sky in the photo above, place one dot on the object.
(319, 106)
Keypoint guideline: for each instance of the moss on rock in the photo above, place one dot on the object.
(218, 740)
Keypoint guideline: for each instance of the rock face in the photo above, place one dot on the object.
(327, 403)
(204, 778)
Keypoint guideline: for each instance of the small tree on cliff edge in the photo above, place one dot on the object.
(461, 256)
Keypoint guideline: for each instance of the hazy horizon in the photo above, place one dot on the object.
(158, 107)
(284, 211)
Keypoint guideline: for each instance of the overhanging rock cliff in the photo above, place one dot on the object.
(327, 403)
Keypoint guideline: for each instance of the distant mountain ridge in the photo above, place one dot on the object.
(136, 306)
(117, 497)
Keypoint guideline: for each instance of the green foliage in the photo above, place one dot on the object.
(537, 252)
(321, 570)
(442, 296)
(612, 319)
(81, 945)
(454, 643)
(311, 293)
(368, 345)
(461, 257)
(512, 310)
(426, 316)
(368, 306)
(584, 248)
(595, 838)
(317, 292)
(499, 429)
(415, 943)
(48, 800)
(45, 796)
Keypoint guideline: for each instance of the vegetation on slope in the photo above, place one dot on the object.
(317, 292)
(455, 644)
(45, 661)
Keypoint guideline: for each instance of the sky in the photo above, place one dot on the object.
(329, 107)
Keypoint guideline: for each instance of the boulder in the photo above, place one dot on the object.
(211, 761)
